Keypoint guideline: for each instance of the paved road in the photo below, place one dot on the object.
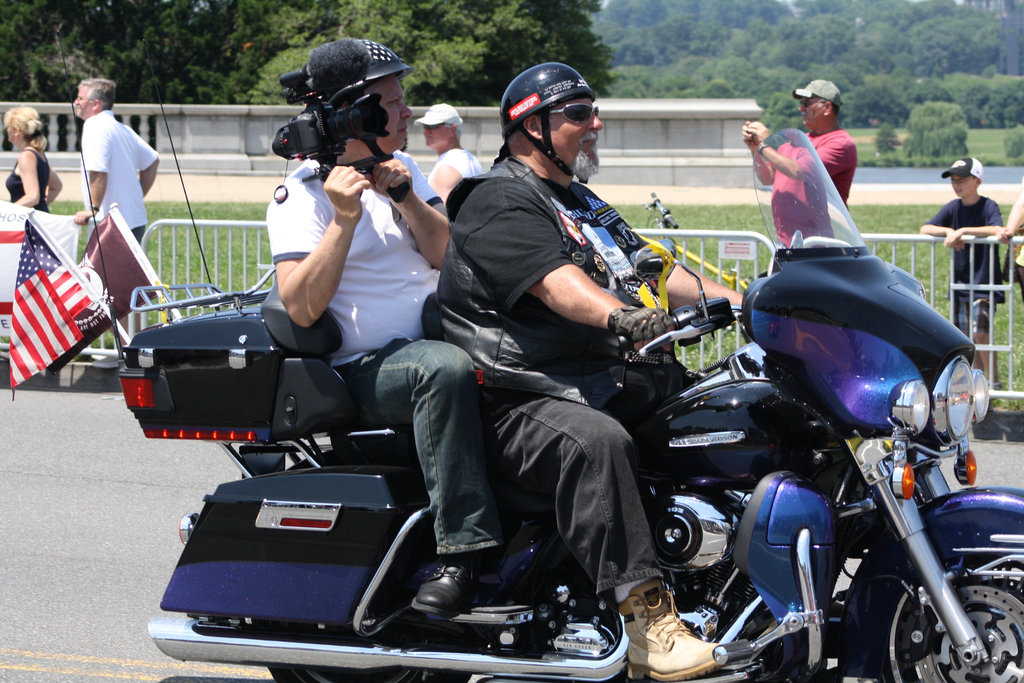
(89, 513)
(88, 537)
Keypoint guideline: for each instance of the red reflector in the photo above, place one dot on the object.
(297, 522)
(138, 393)
(200, 434)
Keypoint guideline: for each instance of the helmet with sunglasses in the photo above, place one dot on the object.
(537, 89)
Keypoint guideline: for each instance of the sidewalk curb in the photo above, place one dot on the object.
(999, 425)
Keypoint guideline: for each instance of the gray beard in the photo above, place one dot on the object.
(583, 166)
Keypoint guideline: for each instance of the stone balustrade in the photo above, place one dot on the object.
(685, 142)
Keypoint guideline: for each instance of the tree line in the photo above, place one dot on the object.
(233, 51)
(887, 56)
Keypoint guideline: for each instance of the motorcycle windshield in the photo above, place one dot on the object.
(799, 203)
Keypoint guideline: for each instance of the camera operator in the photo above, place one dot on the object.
(360, 247)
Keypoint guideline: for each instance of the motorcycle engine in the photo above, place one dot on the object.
(691, 532)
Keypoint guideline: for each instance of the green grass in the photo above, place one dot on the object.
(984, 143)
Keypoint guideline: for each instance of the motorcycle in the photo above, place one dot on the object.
(794, 491)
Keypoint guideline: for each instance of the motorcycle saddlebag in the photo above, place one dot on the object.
(296, 546)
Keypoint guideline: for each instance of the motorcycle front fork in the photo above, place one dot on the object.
(882, 462)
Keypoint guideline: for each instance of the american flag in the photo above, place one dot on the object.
(47, 298)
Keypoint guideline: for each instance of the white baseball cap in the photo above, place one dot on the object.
(440, 114)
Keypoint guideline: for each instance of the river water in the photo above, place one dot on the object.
(993, 174)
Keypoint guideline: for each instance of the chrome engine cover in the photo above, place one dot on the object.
(691, 532)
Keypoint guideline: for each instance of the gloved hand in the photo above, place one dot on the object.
(637, 323)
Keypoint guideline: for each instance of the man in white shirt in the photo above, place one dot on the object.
(442, 130)
(352, 246)
(118, 166)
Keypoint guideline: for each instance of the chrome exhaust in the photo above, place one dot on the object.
(186, 640)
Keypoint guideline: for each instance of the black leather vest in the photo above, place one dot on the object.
(529, 347)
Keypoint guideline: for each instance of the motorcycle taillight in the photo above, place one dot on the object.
(138, 393)
(201, 434)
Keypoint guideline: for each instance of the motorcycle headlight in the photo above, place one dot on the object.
(981, 395)
(953, 401)
(911, 406)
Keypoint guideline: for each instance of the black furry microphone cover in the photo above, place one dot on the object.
(336, 65)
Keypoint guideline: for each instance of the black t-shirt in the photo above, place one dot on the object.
(957, 215)
(509, 232)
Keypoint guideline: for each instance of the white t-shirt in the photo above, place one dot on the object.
(459, 159)
(385, 280)
(115, 149)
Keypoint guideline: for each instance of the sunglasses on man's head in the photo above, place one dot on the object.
(578, 112)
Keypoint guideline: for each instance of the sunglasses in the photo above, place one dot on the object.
(579, 112)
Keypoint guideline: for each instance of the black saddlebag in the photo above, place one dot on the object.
(296, 546)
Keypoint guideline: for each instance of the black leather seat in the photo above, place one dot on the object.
(311, 397)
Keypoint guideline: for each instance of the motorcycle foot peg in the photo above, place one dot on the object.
(736, 651)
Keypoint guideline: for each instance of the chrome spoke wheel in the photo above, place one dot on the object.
(921, 651)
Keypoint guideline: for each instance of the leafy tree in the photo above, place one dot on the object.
(1013, 142)
(782, 112)
(886, 140)
(467, 51)
(936, 130)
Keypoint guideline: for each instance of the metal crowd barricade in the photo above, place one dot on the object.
(238, 253)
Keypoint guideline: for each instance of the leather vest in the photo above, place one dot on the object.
(530, 347)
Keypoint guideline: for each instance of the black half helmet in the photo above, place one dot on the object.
(537, 89)
(344, 68)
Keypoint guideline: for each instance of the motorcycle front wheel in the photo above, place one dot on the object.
(920, 651)
(399, 676)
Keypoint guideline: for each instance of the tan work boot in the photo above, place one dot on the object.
(660, 646)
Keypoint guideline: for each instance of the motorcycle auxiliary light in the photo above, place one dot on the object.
(953, 398)
(911, 406)
(982, 397)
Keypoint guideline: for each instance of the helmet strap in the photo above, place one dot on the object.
(546, 147)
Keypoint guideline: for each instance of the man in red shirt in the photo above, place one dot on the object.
(819, 104)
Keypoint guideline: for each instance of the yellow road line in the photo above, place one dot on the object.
(215, 669)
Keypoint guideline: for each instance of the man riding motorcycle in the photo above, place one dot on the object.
(537, 286)
(344, 246)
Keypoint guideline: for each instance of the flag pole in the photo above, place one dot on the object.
(92, 206)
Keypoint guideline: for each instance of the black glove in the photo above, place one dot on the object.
(638, 324)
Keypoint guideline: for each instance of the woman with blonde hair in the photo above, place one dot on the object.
(32, 182)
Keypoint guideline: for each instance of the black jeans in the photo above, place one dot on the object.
(587, 461)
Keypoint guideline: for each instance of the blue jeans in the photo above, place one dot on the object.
(432, 385)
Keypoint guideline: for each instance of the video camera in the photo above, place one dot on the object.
(321, 130)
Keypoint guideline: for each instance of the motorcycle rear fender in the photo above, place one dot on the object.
(970, 518)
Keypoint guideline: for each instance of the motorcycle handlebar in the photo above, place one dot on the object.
(690, 326)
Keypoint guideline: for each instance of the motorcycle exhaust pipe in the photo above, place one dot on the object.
(185, 640)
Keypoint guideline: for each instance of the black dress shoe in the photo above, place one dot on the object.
(445, 592)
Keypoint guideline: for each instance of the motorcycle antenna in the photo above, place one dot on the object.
(88, 189)
(170, 140)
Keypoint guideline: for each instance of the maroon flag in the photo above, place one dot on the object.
(113, 266)
(53, 316)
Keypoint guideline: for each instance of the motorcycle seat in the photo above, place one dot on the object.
(320, 339)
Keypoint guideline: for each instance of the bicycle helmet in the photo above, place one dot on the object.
(536, 91)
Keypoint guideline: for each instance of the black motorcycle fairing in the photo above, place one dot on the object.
(849, 328)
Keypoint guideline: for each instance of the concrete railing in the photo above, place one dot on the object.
(644, 142)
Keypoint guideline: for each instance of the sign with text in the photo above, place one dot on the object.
(61, 230)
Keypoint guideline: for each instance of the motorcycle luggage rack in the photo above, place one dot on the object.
(177, 298)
